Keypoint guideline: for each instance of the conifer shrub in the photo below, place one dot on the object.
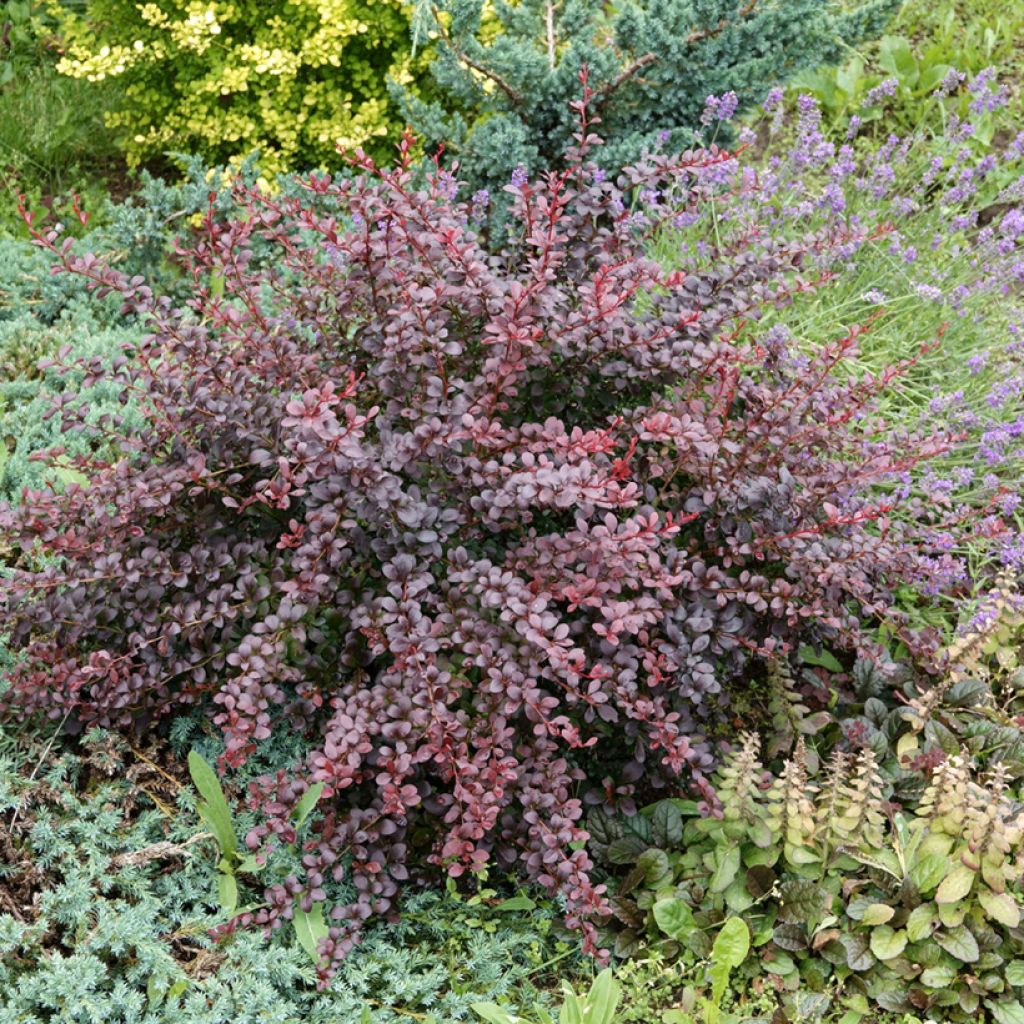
(107, 897)
(507, 72)
(224, 79)
(493, 530)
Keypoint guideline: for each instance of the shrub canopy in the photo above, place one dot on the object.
(225, 79)
(484, 526)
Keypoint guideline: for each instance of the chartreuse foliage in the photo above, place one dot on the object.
(222, 79)
(508, 72)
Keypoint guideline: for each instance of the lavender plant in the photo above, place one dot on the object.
(946, 258)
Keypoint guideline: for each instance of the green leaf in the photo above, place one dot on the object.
(213, 807)
(308, 800)
(1000, 906)
(677, 1017)
(603, 999)
(310, 929)
(494, 1014)
(781, 964)
(674, 918)
(1014, 972)
(877, 913)
(248, 865)
(967, 692)
(823, 660)
(959, 942)
(655, 866)
(176, 990)
(227, 892)
(880, 860)
(939, 977)
(956, 885)
(921, 922)
(801, 855)
(732, 943)
(927, 872)
(726, 871)
(898, 59)
(848, 78)
(719, 975)
(1005, 1011)
(687, 808)
(887, 943)
(516, 903)
(572, 1008)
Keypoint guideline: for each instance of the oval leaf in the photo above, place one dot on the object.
(956, 885)
(927, 872)
(726, 871)
(732, 943)
(959, 942)
(887, 943)
(1000, 906)
(921, 922)
(877, 913)
(674, 918)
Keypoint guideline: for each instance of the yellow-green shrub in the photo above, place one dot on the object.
(222, 78)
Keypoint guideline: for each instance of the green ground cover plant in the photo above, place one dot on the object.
(883, 874)
(108, 892)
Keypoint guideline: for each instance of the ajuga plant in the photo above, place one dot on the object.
(912, 721)
(866, 903)
(479, 526)
(221, 79)
(507, 72)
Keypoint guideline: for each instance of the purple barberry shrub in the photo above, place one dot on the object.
(487, 527)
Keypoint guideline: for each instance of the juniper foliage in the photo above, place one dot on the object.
(507, 72)
(87, 937)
